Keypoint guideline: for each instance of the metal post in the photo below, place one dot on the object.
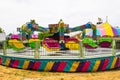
(36, 53)
(113, 47)
(81, 49)
(4, 48)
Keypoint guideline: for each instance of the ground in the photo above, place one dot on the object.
(7, 73)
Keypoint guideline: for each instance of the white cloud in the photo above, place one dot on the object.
(14, 13)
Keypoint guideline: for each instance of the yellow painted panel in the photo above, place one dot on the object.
(113, 63)
(26, 64)
(7, 61)
(74, 66)
(49, 66)
(96, 65)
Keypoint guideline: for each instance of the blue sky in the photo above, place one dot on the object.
(14, 13)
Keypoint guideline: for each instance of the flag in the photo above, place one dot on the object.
(99, 19)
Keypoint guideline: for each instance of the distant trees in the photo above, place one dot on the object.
(1, 31)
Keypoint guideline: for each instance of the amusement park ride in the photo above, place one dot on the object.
(58, 31)
(69, 53)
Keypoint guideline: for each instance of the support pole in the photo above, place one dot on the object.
(81, 49)
(113, 47)
(36, 53)
(4, 48)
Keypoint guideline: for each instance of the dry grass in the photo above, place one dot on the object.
(7, 73)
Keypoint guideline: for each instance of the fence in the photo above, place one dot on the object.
(71, 50)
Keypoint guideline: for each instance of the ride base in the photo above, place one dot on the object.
(62, 65)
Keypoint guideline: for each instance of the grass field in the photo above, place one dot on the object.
(7, 73)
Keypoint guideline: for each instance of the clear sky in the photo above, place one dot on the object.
(14, 13)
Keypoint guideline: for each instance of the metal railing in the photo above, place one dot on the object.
(74, 52)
